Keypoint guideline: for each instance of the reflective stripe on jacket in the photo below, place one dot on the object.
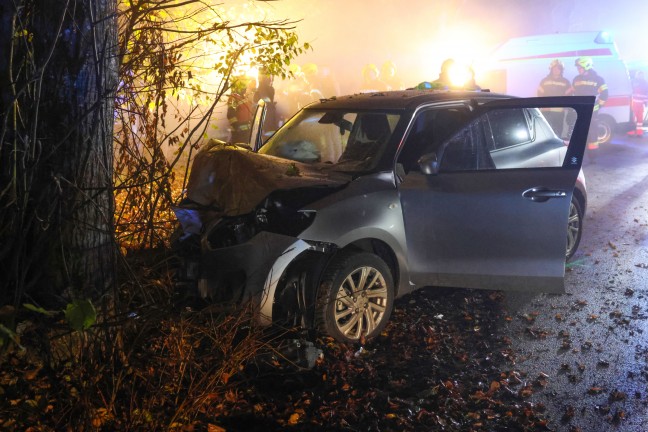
(590, 83)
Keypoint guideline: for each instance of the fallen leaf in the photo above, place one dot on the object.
(569, 413)
(526, 392)
(530, 317)
(294, 419)
(495, 385)
(618, 416)
(30, 375)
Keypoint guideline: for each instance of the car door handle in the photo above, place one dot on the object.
(540, 194)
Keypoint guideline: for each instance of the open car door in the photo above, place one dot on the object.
(488, 207)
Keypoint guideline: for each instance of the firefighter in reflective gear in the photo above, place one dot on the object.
(639, 99)
(389, 77)
(555, 84)
(589, 83)
(443, 82)
(371, 79)
(239, 111)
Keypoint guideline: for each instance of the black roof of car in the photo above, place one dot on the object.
(401, 100)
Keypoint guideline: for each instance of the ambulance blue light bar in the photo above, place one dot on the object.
(603, 37)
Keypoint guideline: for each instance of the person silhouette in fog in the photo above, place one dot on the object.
(555, 84)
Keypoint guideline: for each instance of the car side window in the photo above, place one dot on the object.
(507, 127)
(506, 138)
(429, 130)
(467, 150)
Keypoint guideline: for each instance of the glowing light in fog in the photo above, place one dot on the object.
(466, 44)
(459, 75)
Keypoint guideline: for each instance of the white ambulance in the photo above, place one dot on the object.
(518, 65)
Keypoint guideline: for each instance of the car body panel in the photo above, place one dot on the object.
(218, 181)
(368, 208)
(448, 246)
(475, 228)
(275, 274)
(238, 273)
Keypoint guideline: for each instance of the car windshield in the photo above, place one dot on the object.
(352, 141)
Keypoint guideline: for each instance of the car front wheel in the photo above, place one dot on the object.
(574, 227)
(356, 297)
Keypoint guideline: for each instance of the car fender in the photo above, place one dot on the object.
(369, 208)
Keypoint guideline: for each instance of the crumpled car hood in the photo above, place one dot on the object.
(233, 180)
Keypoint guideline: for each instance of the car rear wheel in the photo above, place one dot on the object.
(606, 127)
(574, 227)
(355, 298)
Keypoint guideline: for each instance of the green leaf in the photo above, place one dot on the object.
(81, 314)
(7, 334)
(292, 170)
(38, 309)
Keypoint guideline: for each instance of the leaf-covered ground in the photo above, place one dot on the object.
(439, 365)
(449, 360)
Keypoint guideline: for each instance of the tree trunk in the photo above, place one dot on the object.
(56, 156)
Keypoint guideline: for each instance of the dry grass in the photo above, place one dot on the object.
(151, 368)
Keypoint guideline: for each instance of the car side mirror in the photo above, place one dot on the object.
(429, 164)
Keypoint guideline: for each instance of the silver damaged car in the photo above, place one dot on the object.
(361, 199)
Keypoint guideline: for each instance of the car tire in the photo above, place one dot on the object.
(606, 126)
(355, 298)
(574, 227)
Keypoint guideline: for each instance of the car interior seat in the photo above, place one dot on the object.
(366, 139)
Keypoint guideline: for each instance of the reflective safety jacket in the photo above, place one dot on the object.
(239, 111)
(550, 86)
(590, 83)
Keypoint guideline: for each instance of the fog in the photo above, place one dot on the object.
(417, 35)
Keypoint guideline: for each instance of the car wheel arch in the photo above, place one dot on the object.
(577, 206)
(307, 272)
(315, 263)
(383, 251)
(578, 194)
